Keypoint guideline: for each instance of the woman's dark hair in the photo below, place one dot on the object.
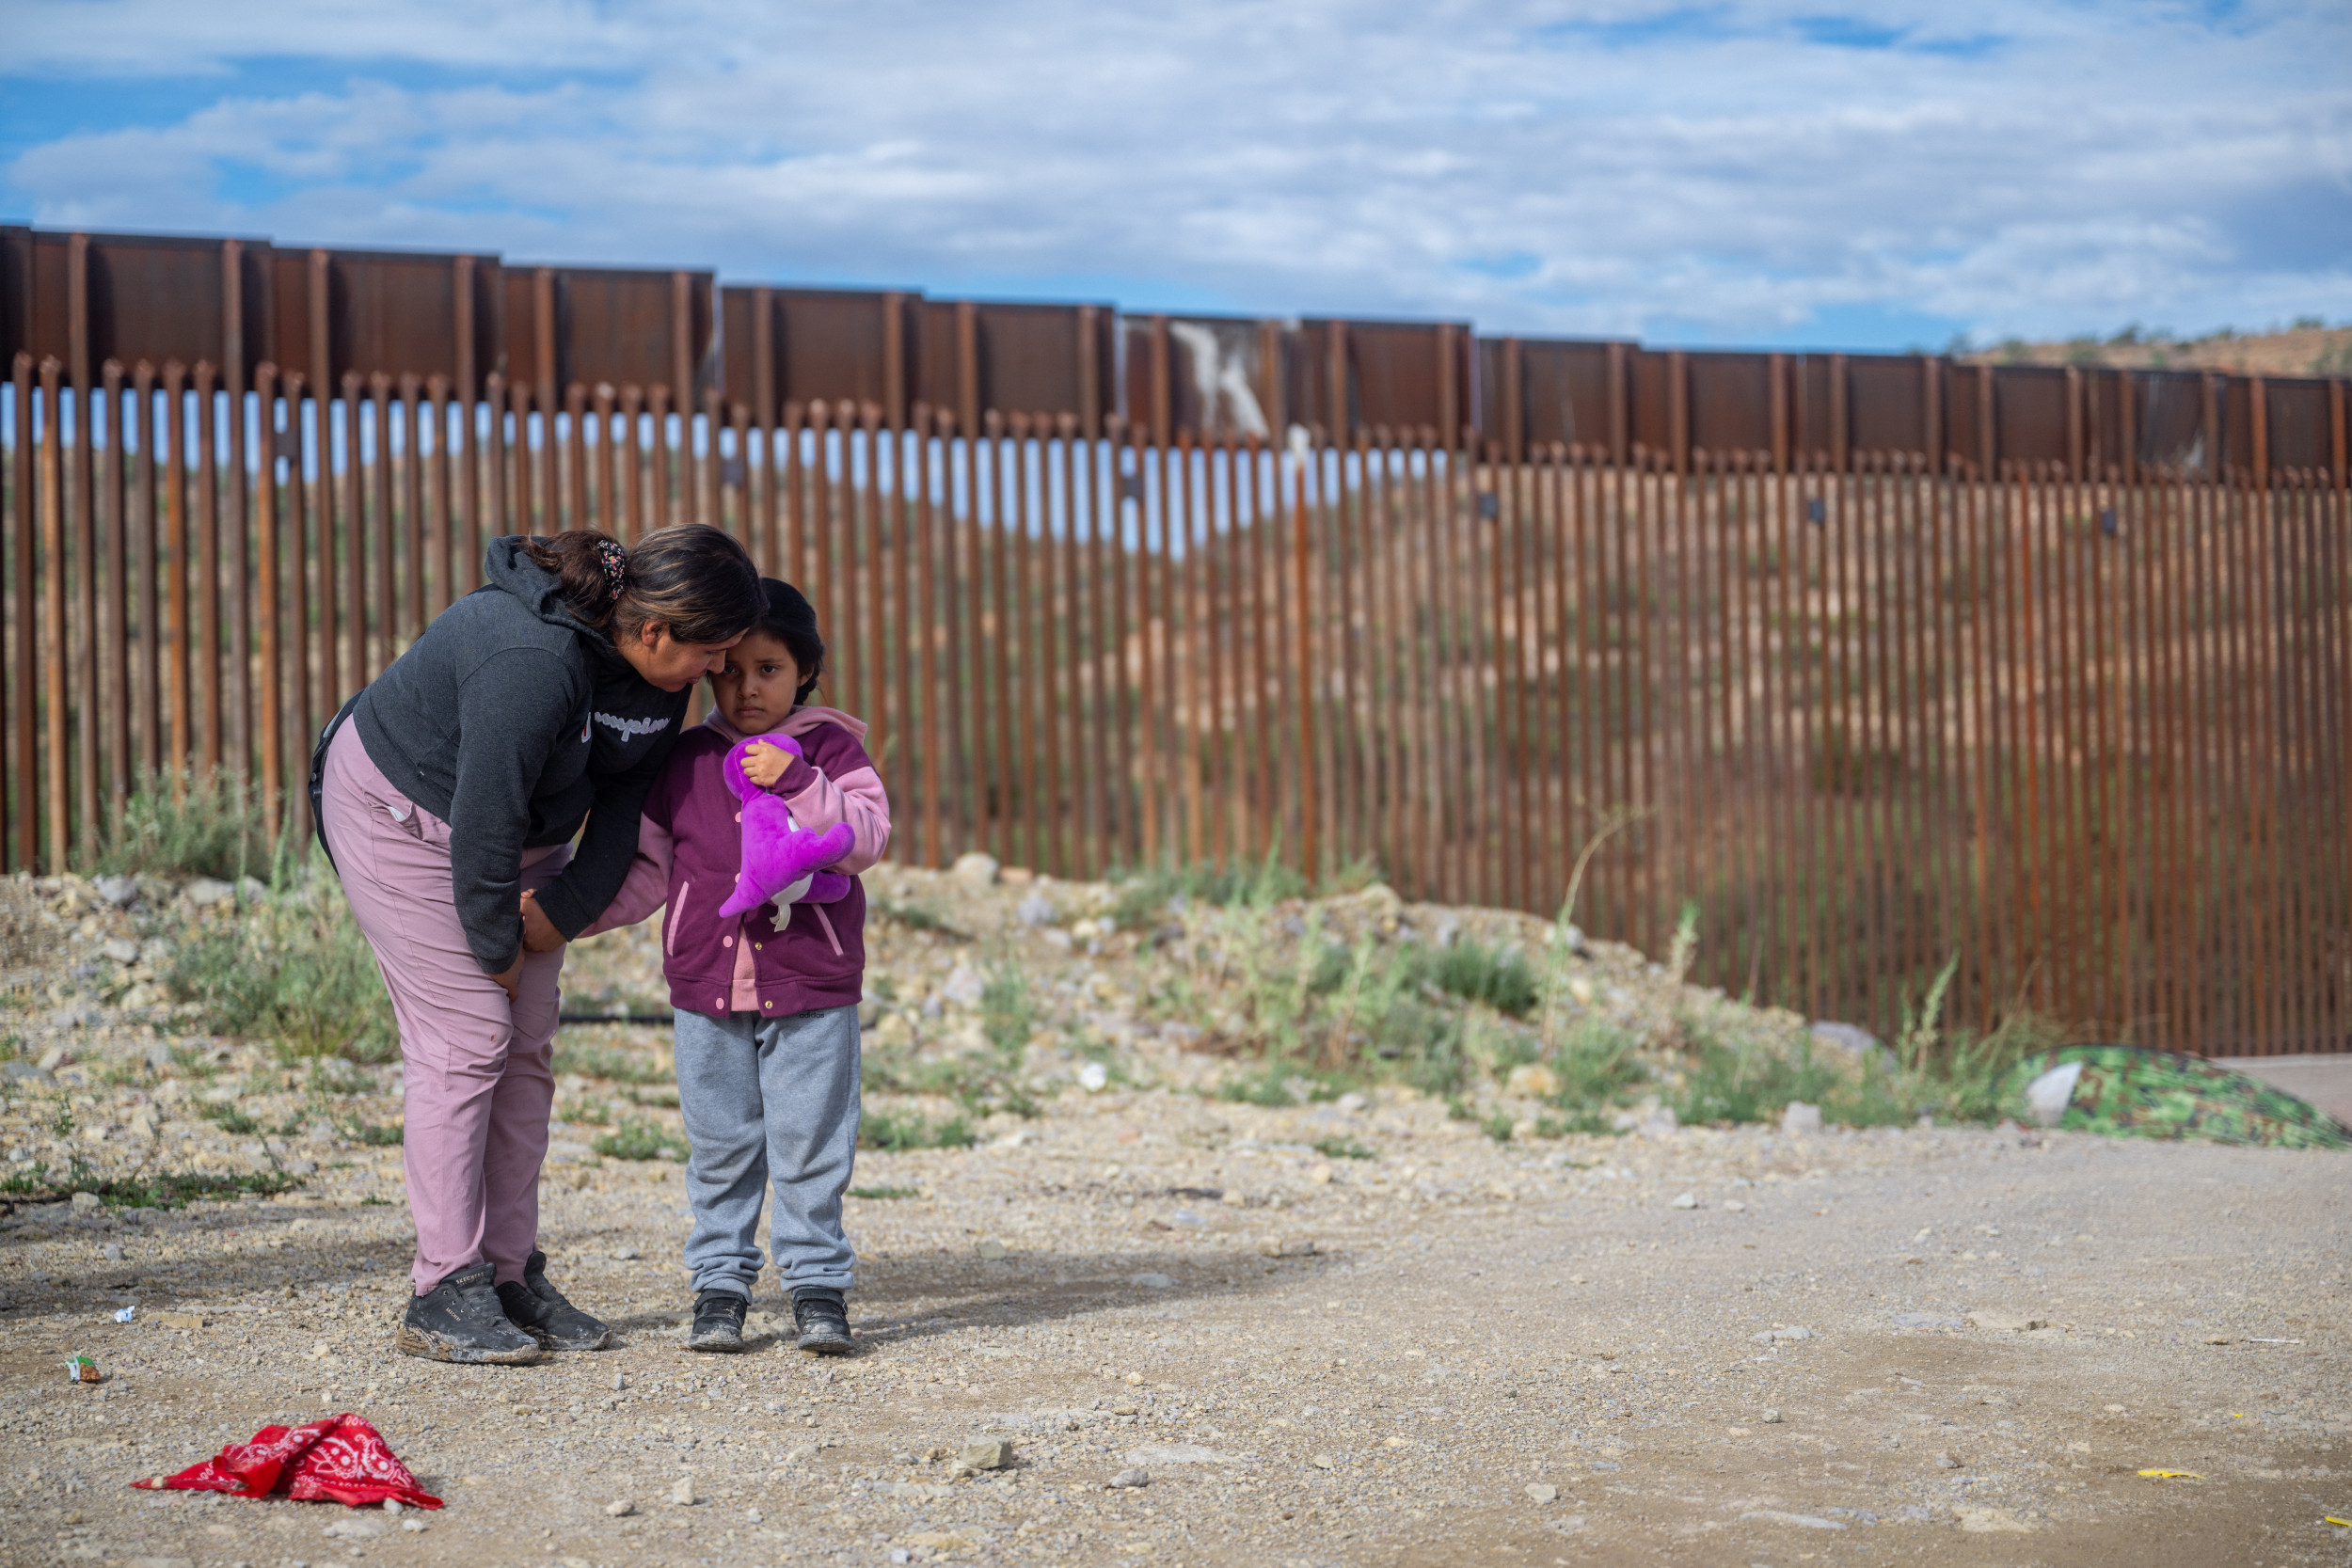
(693, 580)
(791, 620)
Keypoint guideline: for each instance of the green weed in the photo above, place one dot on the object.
(885, 1193)
(897, 1134)
(1598, 1065)
(1497, 977)
(293, 968)
(642, 1140)
(375, 1134)
(189, 825)
(229, 1118)
(158, 1190)
(1344, 1149)
(618, 1065)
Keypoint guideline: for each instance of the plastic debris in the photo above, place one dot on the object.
(336, 1459)
(81, 1368)
(124, 1315)
(2331, 1519)
(2171, 1475)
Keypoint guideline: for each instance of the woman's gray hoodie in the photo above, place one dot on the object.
(512, 721)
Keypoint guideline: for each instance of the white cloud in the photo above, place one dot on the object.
(1718, 171)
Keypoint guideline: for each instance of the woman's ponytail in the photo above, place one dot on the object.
(697, 580)
(591, 570)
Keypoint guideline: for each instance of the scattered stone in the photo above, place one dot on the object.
(1094, 1077)
(1661, 1123)
(963, 985)
(1035, 909)
(1131, 1478)
(1296, 1247)
(1320, 1175)
(620, 1507)
(753, 1515)
(1150, 1281)
(1803, 1521)
(2210, 1338)
(992, 1250)
(1945, 1462)
(626, 1255)
(1798, 1119)
(1769, 1417)
(1849, 1037)
(682, 1493)
(2005, 1322)
(1176, 1453)
(123, 950)
(20, 1069)
(207, 891)
(1321, 1461)
(353, 1529)
(1534, 1080)
(1793, 1332)
(975, 870)
(1991, 1521)
(122, 892)
(1686, 1200)
(985, 1454)
(181, 1320)
(1539, 1492)
(86, 1203)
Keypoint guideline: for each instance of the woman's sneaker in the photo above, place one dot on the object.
(539, 1309)
(824, 1319)
(461, 1318)
(718, 1322)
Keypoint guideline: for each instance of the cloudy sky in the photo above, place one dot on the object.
(1747, 172)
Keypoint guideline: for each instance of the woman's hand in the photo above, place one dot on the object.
(512, 980)
(539, 933)
(764, 763)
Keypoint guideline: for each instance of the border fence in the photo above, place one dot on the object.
(2066, 703)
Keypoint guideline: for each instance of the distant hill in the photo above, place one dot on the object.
(2310, 347)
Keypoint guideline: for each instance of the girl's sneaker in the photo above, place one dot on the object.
(824, 1319)
(718, 1322)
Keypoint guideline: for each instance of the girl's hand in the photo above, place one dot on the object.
(764, 763)
(539, 933)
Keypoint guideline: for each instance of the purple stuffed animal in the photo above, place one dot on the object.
(782, 860)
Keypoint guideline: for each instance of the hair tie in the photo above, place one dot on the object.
(615, 562)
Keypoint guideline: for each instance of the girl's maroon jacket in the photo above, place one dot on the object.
(769, 962)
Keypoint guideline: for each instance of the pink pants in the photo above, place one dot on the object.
(478, 1087)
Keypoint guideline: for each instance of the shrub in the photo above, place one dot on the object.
(190, 823)
(642, 1140)
(897, 1134)
(1498, 978)
(615, 1063)
(294, 969)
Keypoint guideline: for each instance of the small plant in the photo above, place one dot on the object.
(375, 1135)
(229, 1119)
(1475, 972)
(1497, 1127)
(1459, 1109)
(897, 1134)
(1598, 1064)
(885, 1193)
(642, 1140)
(1684, 950)
(1344, 1149)
(331, 1077)
(295, 970)
(158, 1190)
(609, 1062)
(189, 825)
(1007, 1014)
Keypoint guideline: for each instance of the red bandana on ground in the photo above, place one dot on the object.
(340, 1459)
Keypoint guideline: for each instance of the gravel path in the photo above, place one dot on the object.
(1451, 1351)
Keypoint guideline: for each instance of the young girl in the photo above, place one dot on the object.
(766, 1001)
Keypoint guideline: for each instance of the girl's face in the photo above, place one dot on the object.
(754, 689)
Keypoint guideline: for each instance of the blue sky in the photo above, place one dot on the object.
(1783, 174)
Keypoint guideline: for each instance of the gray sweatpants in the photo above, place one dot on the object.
(769, 1098)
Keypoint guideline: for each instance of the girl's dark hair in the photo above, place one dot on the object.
(791, 620)
(695, 579)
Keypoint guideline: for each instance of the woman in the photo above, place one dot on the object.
(448, 803)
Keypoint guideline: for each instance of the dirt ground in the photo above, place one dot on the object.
(1412, 1345)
